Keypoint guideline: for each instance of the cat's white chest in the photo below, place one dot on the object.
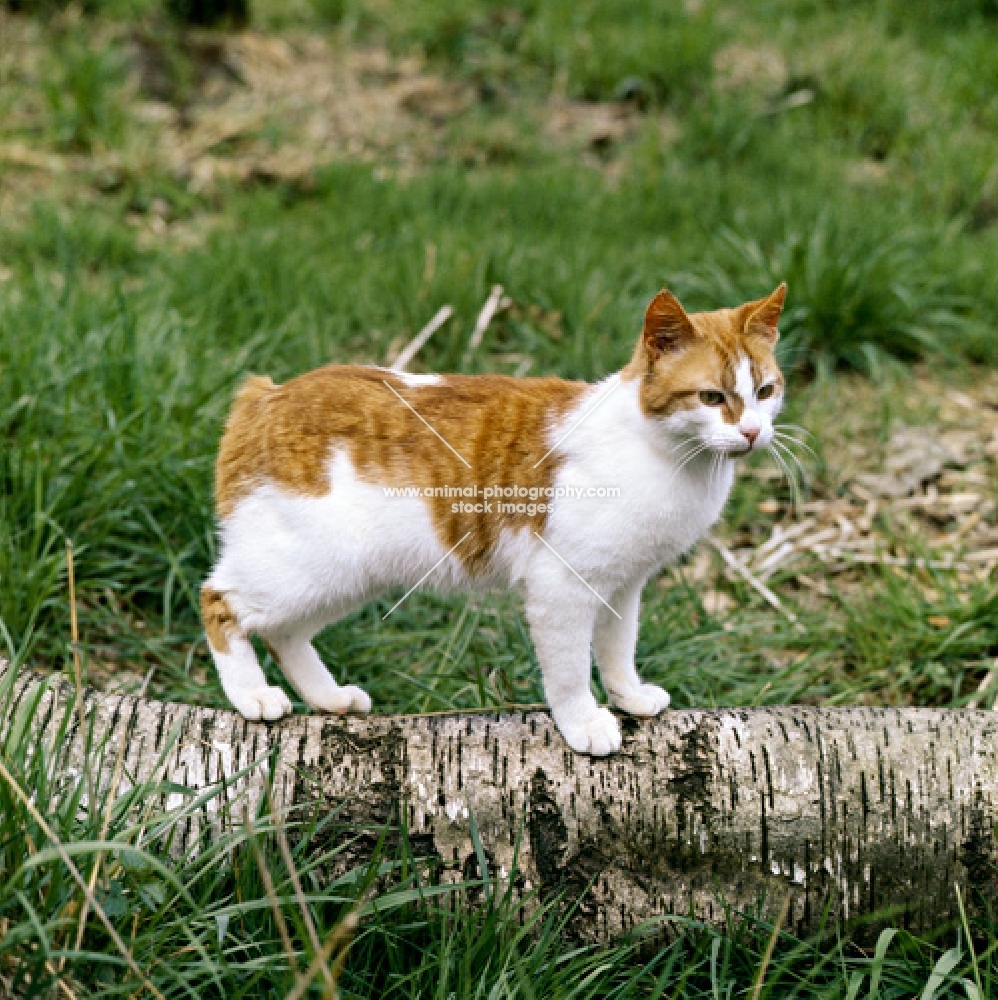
(651, 504)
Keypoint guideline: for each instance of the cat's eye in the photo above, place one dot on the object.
(711, 397)
(765, 391)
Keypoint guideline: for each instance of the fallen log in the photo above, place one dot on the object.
(849, 811)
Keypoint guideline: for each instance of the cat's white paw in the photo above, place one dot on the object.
(596, 732)
(340, 700)
(265, 702)
(646, 700)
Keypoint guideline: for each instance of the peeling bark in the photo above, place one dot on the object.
(855, 809)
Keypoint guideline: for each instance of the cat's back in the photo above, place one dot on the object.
(396, 427)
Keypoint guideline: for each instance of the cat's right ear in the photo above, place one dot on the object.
(667, 327)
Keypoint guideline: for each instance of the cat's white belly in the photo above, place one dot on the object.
(288, 557)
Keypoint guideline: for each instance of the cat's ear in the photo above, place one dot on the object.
(667, 327)
(762, 315)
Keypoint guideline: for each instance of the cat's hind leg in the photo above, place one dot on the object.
(309, 676)
(235, 659)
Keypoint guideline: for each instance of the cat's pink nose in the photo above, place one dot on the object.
(751, 433)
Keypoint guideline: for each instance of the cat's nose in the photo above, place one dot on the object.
(751, 433)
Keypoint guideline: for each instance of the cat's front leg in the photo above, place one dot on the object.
(614, 641)
(561, 614)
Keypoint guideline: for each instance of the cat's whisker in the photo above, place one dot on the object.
(682, 444)
(796, 479)
(791, 482)
(794, 427)
(784, 448)
(789, 453)
(699, 450)
(793, 441)
(796, 430)
(715, 470)
(788, 448)
(791, 478)
(696, 447)
(790, 439)
(781, 447)
(805, 479)
(689, 458)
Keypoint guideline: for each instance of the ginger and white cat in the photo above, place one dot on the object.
(348, 481)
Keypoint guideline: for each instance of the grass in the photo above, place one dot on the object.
(867, 183)
(81, 97)
(862, 295)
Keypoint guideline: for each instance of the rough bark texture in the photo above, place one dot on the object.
(855, 809)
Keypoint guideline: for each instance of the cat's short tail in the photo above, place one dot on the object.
(252, 391)
(246, 416)
(240, 452)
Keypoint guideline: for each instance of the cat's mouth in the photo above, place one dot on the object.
(735, 450)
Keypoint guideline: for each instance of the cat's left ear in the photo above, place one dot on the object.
(762, 316)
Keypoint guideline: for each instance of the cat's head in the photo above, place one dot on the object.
(711, 377)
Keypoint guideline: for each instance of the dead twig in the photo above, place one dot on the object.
(780, 536)
(275, 903)
(339, 944)
(768, 954)
(415, 345)
(986, 683)
(74, 628)
(306, 913)
(485, 317)
(105, 826)
(749, 577)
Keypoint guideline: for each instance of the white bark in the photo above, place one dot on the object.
(856, 808)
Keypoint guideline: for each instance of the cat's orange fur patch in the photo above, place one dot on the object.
(499, 425)
(219, 621)
(680, 354)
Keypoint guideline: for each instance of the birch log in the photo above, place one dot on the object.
(854, 809)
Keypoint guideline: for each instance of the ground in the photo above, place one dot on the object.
(179, 208)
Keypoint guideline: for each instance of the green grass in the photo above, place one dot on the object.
(82, 97)
(873, 194)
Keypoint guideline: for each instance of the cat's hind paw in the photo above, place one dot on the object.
(341, 700)
(596, 733)
(264, 702)
(646, 700)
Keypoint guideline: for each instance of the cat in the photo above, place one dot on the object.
(348, 481)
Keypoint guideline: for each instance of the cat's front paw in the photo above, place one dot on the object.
(595, 732)
(646, 700)
(264, 702)
(341, 700)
